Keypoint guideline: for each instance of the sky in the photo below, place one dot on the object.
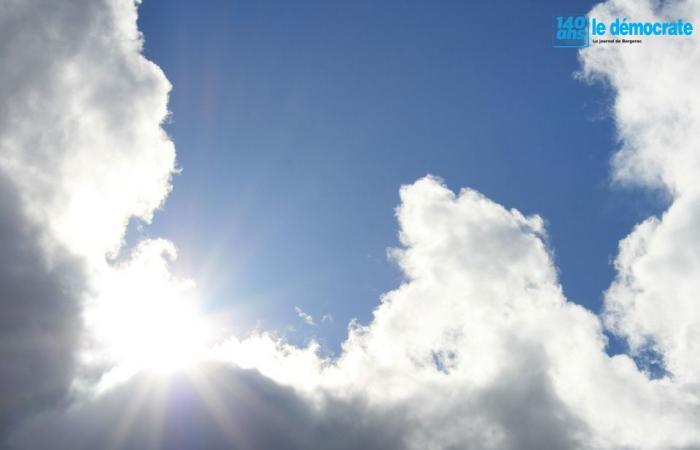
(232, 225)
(296, 123)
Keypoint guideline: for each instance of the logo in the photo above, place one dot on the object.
(570, 32)
(582, 31)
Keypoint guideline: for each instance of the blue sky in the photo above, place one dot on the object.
(296, 124)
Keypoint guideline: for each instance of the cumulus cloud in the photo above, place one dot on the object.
(219, 407)
(80, 120)
(39, 315)
(472, 351)
(81, 152)
(478, 348)
(654, 300)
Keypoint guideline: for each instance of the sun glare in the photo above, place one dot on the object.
(161, 335)
(144, 319)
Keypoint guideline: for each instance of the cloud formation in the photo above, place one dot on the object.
(478, 348)
(653, 302)
(219, 407)
(39, 318)
(81, 152)
(304, 316)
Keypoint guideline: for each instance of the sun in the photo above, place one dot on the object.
(144, 319)
(158, 335)
(162, 335)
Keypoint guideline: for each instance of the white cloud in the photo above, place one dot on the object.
(306, 318)
(653, 301)
(477, 348)
(80, 121)
(81, 153)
